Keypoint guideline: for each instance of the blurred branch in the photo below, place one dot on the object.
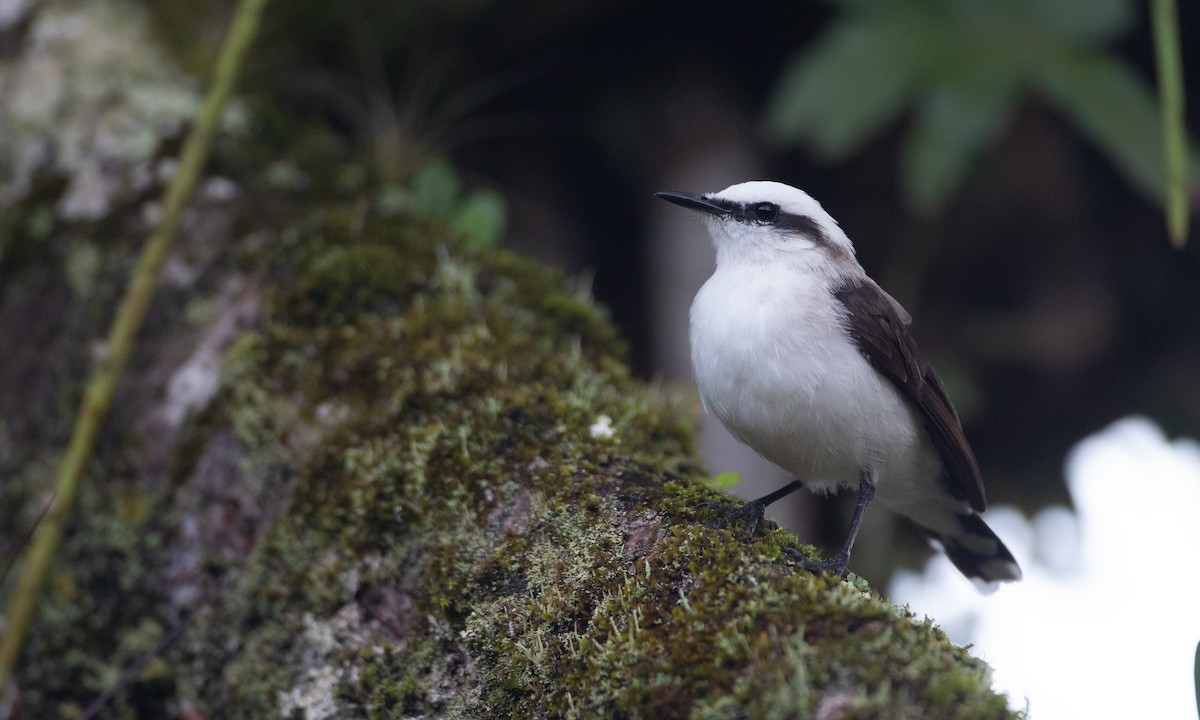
(1165, 17)
(24, 543)
(138, 665)
(98, 397)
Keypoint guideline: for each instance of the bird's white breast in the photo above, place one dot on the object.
(775, 363)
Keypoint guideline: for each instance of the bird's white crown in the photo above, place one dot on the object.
(802, 232)
(788, 198)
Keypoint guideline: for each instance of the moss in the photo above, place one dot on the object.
(458, 543)
(427, 486)
(95, 616)
(440, 529)
(452, 537)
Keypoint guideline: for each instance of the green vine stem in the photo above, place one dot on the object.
(1165, 19)
(98, 397)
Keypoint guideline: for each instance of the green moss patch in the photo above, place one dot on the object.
(489, 518)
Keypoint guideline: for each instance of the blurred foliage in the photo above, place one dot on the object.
(1196, 672)
(724, 481)
(387, 76)
(374, 75)
(960, 67)
(435, 194)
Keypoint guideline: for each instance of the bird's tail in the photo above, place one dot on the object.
(977, 552)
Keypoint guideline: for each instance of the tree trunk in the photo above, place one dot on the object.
(356, 470)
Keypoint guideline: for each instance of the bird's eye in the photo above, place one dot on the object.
(764, 212)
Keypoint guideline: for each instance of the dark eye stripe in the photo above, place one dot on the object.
(799, 224)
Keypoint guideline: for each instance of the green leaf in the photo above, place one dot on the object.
(1116, 110)
(435, 190)
(1081, 20)
(950, 131)
(391, 199)
(851, 84)
(960, 65)
(480, 219)
(724, 481)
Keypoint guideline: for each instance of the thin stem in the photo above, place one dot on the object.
(97, 399)
(1165, 19)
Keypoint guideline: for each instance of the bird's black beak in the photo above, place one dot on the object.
(692, 201)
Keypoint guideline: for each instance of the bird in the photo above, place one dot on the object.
(806, 360)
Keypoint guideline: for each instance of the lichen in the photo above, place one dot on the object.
(90, 72)
(497, 555)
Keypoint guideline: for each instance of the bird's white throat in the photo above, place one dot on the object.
(775, 364)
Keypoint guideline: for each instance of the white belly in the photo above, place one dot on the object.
(776, 365)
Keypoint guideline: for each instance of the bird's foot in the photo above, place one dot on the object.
(750, 514)
(838, 564)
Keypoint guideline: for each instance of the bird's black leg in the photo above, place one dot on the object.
(752, 512)
(838, 563)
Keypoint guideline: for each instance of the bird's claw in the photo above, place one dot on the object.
(751, 514)
(838, 564)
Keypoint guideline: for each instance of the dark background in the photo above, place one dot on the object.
(1044, 288)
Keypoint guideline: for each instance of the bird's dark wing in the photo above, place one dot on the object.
(878, 325)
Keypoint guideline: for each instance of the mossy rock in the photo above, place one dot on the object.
(426, 485)
(488, 517)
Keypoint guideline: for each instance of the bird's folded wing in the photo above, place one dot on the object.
(877, 323)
